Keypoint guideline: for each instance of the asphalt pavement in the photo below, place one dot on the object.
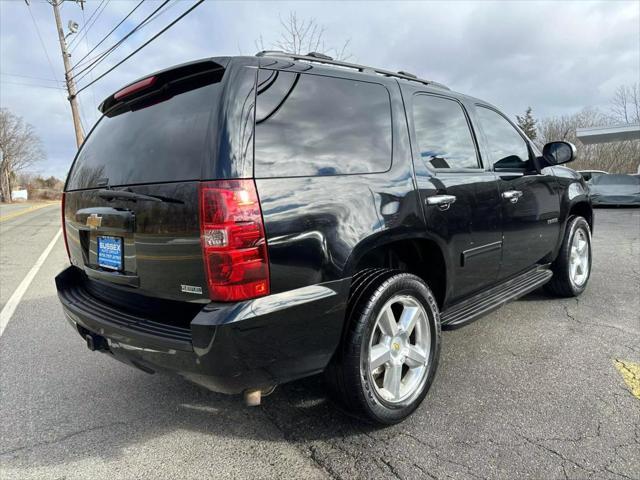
(530, 391)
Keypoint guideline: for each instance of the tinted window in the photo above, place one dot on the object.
(310, 125)
(506, 146)
(164, 142)
(616, 180)
(443, 133)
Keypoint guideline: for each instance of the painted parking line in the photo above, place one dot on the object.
(9, 216)
(14, 300)
(631, 375)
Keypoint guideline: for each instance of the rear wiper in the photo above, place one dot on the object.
(123, 195)
(134, 197)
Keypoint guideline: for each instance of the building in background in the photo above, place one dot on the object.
(621, 133)
(19, 194)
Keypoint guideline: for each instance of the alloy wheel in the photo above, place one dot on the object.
(579, 258)
(399, 349)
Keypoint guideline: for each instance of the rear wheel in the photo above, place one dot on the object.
(572, 268)
(389, 355)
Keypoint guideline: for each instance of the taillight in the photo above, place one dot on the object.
(233, 240)
(64, 228)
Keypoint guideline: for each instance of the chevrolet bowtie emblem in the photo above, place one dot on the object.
(94, 220)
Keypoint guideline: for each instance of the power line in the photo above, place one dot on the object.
(100, 58)
(31, 85)
(79, 38)
(83, 115)
(35, 24)
(108, 34)
(142, 46)
(157, 13)
(31, 77)
(73, 40)
(84, 25)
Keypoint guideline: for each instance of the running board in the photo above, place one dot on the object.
(484, 302)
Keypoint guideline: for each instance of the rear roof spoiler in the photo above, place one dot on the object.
(188, 74)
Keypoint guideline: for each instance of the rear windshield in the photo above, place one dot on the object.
(616, 180)
(164, 142)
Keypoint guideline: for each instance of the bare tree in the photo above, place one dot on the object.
(20, 148)
(614, 157)
(304, 36)
(625, 104)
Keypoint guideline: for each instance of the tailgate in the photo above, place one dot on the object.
(147, 245)
(131, 198)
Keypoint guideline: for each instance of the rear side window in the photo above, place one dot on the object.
(310, 125)
(443, 133)
(164, 142)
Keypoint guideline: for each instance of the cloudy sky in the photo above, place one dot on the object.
(558, 57)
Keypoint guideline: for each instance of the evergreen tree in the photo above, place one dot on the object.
(528, 124)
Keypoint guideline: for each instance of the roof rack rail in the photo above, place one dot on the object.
(327, 60)
(319, 55)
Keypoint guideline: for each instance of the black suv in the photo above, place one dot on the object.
(248, 221)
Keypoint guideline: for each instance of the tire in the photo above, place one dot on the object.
(568, 280)
(374, 394)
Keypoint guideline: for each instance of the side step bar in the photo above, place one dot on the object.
(484, 302)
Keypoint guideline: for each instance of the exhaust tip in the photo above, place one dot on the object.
(252, 398)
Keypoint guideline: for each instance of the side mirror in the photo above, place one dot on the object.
(557, 153)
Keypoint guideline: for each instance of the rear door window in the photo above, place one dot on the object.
(164, 142)
(443, 134)
(311, 125)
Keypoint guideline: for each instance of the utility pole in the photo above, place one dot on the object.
(68, 74)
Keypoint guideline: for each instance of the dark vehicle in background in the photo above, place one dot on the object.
(249, 221)
(590, 175)
(615, 190)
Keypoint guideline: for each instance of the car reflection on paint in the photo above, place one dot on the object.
(590, 175)
(615, 190)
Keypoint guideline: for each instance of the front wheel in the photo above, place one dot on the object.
(390, 354)
(572, 268)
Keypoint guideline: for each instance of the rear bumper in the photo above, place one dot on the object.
(228, 347)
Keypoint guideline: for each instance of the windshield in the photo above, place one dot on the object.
(164, 142)
(616, 180)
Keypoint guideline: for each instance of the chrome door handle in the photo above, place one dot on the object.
(442, 201)
(512, 195)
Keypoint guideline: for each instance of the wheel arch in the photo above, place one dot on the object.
(579, 207)
(412, 253)
(584, 209)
